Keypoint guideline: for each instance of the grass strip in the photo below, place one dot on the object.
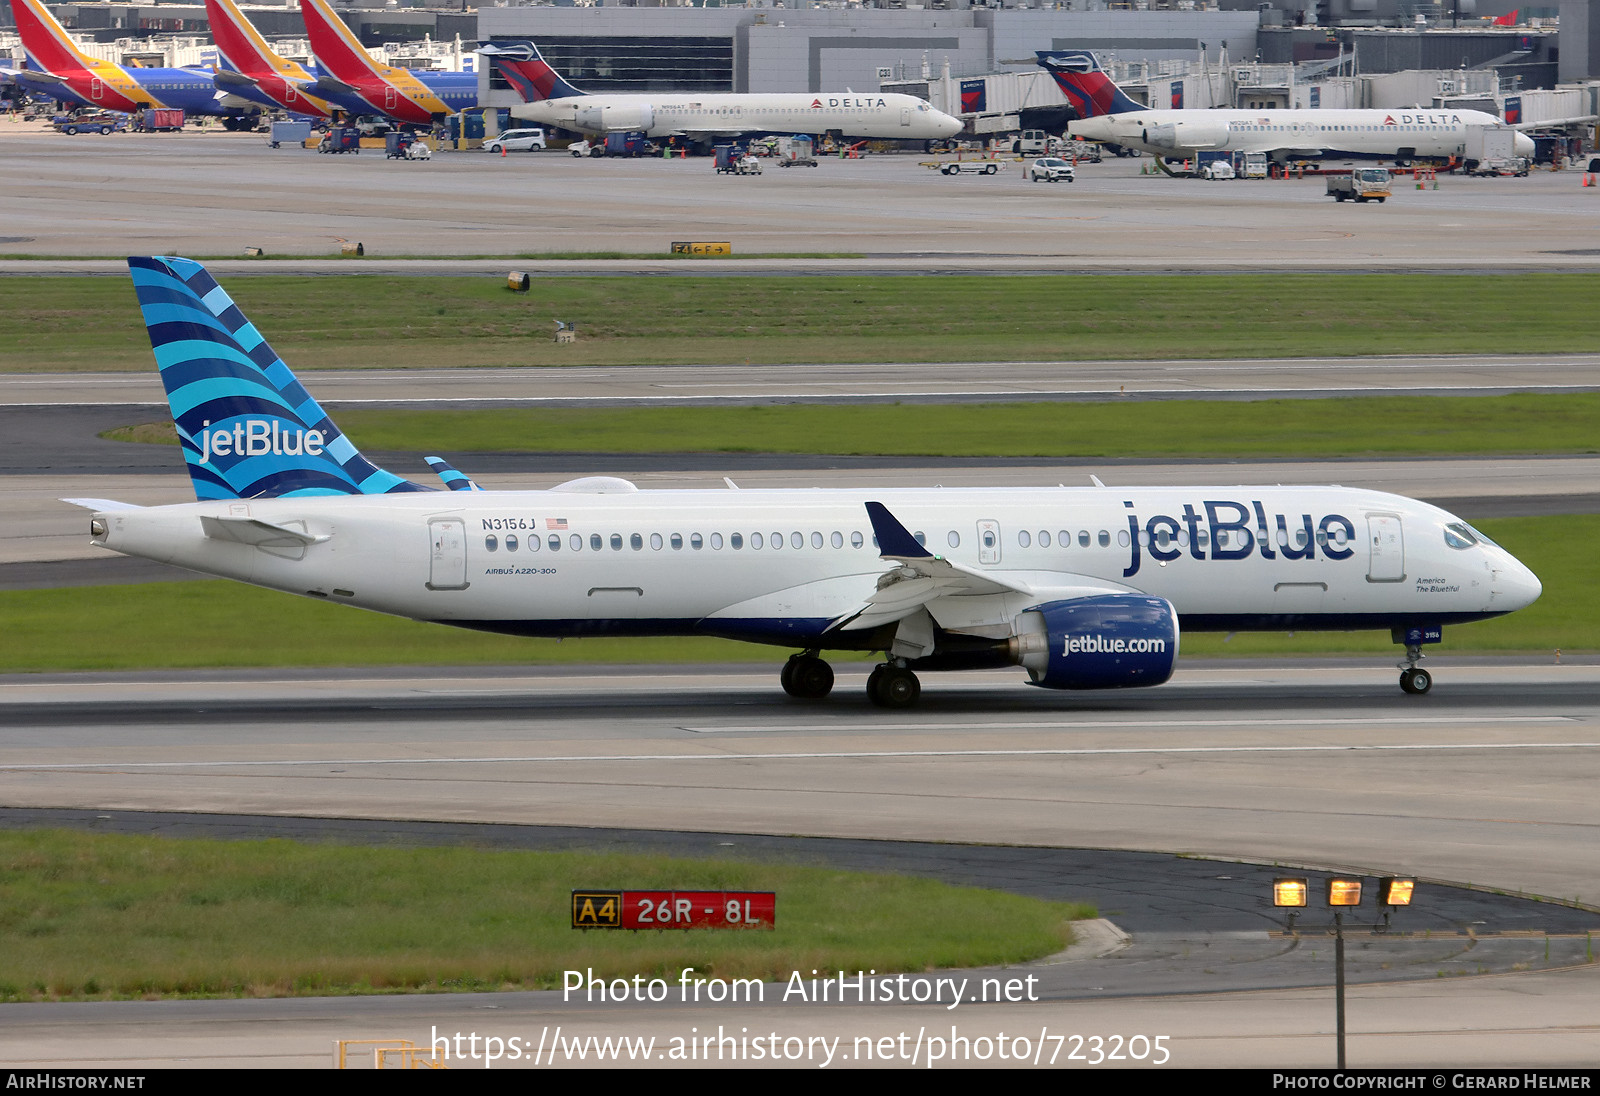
(362, 320)
(219, 624)
(114, 916)
(1366, 426)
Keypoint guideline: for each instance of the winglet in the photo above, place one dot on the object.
(894, 541)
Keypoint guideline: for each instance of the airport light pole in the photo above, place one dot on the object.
(1343, 893)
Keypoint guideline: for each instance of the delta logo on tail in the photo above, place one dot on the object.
(1085, 84)
(526, 70)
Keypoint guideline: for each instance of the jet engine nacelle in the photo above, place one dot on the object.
(615, 119)
(1187, 135)
(1110, 641)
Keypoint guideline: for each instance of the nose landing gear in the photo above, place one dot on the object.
(1413, 678)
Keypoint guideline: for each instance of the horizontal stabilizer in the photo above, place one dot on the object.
(102, 505)
(261, 533)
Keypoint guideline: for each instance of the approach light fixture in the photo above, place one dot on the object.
(1344, 892)
(1395, 892)
(1290, 892)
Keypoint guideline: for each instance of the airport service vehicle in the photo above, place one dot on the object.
(158, 120)
(1080, 587)
(968, 167)
(1051, 169)
(1107, 114)
(58, 68)
(1364, 184)
(285, 132)
(1508, 165)
(95, 121)
(703, 117)
(1218, 170)
(587, 148)
(411, 97)
(732, 160)
(341, 139)
(1036, 142)
(404, 145)
(516, 140)
(1255, 165)
(796, 151)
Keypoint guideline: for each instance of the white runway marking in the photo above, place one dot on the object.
(820, 755)
(1131, 724)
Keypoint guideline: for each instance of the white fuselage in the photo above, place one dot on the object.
(1290, 134)
(879, 115)
(779, 566)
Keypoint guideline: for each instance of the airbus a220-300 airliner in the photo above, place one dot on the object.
(1082, 587)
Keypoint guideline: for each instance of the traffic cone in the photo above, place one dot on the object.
(502, 152)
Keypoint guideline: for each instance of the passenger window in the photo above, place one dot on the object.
(837, 539)
(596, 541)
(716, 542)
(616, 542)
(695, 541)
(555, 542)
(1044, 538)
(1083, 538)
(796, 540)
(676, 541)
(856, 540)
(491, 542)
(953, 539)
(920, 537)
(735, 541)
(1122, 538)
(1024, 539)
(576, 541)
(511, 542)
(777, 540)
(756, 540)
(636, 542)
(655, 542)
(533, 544)
(816, 540)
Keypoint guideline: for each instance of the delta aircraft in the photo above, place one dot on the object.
(1107, 115)
(348, 72)
(250, 69)
(704, 116)
(1083, 588)
(59, 69)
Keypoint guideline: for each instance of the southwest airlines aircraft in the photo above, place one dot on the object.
(349, 72)
(1106, 114)
(251, 69)
(59, 69)
(550, 100)
(1083, 588)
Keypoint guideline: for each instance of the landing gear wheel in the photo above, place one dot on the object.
(893, 687)
(1416, 681)
(807, 677)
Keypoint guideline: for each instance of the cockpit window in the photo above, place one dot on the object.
(1481, 538)
(1459, 535)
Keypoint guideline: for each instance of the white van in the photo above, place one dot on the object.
(516, 140)
(1036, 142)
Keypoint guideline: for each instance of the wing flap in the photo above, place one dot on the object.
(263, 534)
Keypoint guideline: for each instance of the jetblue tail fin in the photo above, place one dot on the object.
(1085, 84)
(247, 427)
(526, 71)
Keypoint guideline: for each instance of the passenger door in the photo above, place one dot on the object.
(1386, 542)
(447, 566)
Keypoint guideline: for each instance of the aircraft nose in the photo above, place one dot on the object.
(1518, 586)
(1523, 145)
(950, 126)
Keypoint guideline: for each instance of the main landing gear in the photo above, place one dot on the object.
(1413, 678)
(807, 677)
(892, 685)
